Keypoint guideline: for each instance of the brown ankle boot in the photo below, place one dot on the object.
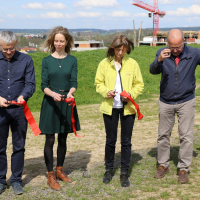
(52, 181)
(61, 175)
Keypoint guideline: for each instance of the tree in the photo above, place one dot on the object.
(78, 33)
(22, 41)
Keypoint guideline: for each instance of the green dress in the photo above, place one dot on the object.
(55, 117)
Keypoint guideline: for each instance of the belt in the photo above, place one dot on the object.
(59, 90)
(12, 106)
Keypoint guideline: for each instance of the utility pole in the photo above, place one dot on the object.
(134, 34)
(139, 34)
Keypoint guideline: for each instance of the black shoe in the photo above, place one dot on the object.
(107, 176)
(2, 187)
(18, 189)
(124, 180)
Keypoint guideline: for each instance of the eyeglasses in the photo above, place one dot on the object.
(6, 50)
(173, 48)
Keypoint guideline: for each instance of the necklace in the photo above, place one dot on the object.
(60, 65)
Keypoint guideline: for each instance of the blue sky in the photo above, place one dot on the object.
(103, 14)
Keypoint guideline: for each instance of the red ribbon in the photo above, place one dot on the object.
(29, 117)
(73, 103)
(125, 94)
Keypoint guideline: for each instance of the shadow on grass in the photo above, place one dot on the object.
(174, 151)
(135, 158)
(77, 160)
(36, 168)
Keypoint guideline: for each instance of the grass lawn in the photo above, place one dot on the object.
(87, 65)
(84, 161)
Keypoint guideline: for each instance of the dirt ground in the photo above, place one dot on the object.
(85, 152)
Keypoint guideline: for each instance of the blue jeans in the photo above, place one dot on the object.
(13, 117)
(111, 124)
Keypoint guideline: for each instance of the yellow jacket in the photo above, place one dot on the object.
(131, 78)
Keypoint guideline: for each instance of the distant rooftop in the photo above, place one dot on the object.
(87, 42)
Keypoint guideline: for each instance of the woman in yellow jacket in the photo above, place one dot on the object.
(116, 73)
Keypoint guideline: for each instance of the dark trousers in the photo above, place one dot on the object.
(14, 118)
(111, 124)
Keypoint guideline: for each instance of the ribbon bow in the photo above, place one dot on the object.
(36, 130)
(125, 94)
(72, 103)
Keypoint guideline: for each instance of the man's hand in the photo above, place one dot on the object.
(111, 94)
(20, 99)
(3, 102)
(166, 53)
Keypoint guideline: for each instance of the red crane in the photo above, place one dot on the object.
(154, 10)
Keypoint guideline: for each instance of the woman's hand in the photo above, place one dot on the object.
(57, 97)
(69, 95)
(126, 99)
(71, 92)
(111, 94)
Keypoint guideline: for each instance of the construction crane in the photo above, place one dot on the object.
(154, 10)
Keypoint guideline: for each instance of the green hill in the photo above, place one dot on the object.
(87, 65)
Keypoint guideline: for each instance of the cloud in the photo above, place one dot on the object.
(69, 16)
(11, 16)
(83, 15)
(46, 6)
(52, 15)
(169, 2)
(192, 19)
(30, 16)
(192, 10)
(88, 14)
(89, 4)
(119, 14)
(57, 15)
(140, 15)
(1, 20)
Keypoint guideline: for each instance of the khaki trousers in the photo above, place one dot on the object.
(185, 114)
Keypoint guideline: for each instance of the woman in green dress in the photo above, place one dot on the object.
(59, 81)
